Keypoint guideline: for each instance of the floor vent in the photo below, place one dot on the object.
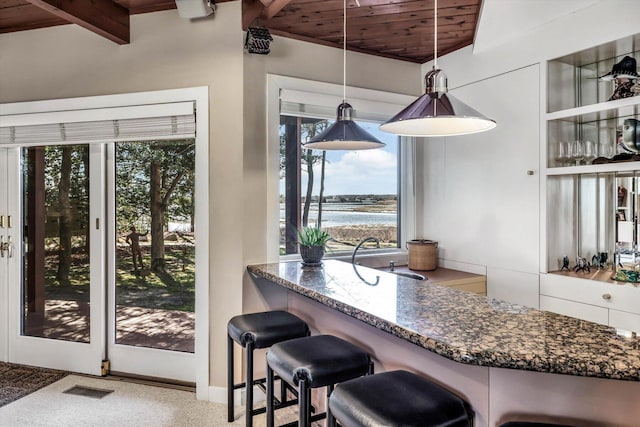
(96, 393)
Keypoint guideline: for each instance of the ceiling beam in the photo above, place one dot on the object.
(103, 17)
(272, 7)
(253, 10)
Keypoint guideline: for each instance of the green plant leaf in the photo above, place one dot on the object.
(311, 236)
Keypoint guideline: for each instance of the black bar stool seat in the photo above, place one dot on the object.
(252, 331)
(266, 328)
(312, 362)
(397, 398)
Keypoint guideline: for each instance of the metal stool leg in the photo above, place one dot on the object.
(230, 402)
(304, 396)
(269, 397)
(249, 385)
(331, 421)
(283, 391)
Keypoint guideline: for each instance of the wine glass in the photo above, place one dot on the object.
(577, 152)
(563, 153)
(590, 151)
(605, 148)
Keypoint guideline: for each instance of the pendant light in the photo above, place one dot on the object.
(436, 113)
(344, 134)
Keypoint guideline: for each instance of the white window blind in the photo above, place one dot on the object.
(295, 102)
(137, 123)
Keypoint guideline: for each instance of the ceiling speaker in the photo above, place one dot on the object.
(195, 8)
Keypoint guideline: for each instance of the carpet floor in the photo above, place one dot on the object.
(123, 404)
(17, 381)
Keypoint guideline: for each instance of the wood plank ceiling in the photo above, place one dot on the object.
(399, 29)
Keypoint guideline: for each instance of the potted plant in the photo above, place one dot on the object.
(312, 244)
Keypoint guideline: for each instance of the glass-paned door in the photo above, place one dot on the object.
(94, 268)
(51, 245)
(153, 279)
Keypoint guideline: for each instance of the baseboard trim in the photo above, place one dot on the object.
(219, 395)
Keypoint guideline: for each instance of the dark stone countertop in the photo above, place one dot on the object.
(462, 326)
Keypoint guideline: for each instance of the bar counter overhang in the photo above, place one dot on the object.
(505, 359)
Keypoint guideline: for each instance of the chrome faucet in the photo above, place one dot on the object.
(363, 241)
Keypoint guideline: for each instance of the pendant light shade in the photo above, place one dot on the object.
(436, 113)
(344, 134)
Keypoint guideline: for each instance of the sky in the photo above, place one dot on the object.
(360, 172)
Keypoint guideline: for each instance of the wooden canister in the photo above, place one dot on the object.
(422, 254)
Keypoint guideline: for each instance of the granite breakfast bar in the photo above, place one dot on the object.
(507, 360)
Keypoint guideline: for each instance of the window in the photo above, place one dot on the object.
(349, 194)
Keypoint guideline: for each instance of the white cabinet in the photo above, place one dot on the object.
(575, 309)
(481, 191)
(513, 286)
(601, 302)
(623, 320)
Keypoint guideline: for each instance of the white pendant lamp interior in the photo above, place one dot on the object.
(436, 113)
(344, 134)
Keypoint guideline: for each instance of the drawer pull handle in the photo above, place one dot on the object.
(606, 296)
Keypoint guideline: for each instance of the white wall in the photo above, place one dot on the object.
(487, 209)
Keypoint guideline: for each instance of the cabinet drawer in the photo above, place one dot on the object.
(625, 297)
(623, 320)
(575, 309)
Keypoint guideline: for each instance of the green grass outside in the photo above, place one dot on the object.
(174, 291)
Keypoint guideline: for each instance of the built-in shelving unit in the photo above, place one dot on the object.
(592, 209)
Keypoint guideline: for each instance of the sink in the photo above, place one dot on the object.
(414, 276)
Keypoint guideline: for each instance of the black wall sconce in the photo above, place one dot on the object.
(258, 40)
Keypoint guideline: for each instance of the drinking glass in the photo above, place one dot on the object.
(563, 153)
(577, 152)
(590, 151)
(605, 148)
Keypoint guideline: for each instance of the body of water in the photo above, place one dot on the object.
(339, 214)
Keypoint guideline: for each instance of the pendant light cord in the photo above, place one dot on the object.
(344, 51)
(435, 35)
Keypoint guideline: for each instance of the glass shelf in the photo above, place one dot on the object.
(573, 82)
(603, 128)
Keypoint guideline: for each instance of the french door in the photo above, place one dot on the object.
(85, 283)
(52, 256)
(79, 203)
(151, 317)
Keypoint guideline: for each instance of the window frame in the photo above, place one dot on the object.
(373, 105)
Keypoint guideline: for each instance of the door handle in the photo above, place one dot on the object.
(6, 247)
(9, 247)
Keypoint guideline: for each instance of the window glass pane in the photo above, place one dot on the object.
(349, 194)
(56, 264)
(155, 245)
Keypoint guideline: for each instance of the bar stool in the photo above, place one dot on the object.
(313, 362)
(252, 331)
(397, 398)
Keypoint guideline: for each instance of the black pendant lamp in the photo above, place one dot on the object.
(344, 134)
(436, 113)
